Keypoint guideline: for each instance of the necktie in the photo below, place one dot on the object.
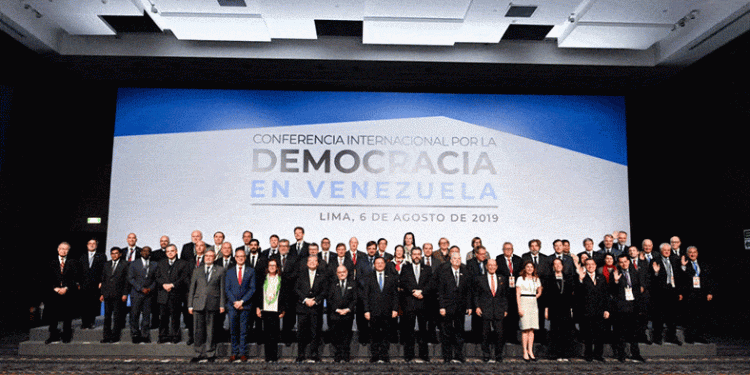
(132, 251)
(197, 262)
(696, 268)
(252, 261)
(456, 275)
(510, 267)
(371, 261)
(208, 273)
(62, 264)
(239, 275)
(493, 285)
(114, 266)
(343, 288)
(380, 281)
(481, 268)
(535, 262)
(416, 272)
(283, 262)
(312, 279)
(91, 259)
(354, 258)
(635, 264)
(146, 266)
(627, 277)
(429, 259)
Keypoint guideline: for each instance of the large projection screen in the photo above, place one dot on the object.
(368, 165)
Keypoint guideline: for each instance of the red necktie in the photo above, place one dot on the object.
(354, 259)
(197, 262)
(239, 275)
(493, 285)
(62, 265)
(510, 266)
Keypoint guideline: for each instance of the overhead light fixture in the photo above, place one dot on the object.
(686, 19)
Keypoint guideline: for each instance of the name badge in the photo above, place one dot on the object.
(511, 282)
(629, 294)
(696, 282)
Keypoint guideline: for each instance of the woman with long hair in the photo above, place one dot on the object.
(528, 289)
(271, 308)
(409, 242)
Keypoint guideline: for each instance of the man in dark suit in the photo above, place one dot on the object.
(626, 292)
(172, 280)
(664, 273)
(114, 293)
(196, 261)
(247, 236)
(588, 246)
(225, 258)
(380, 304)
(455, 300)
(240, 288)
(273, 249)
(534, 255)
(431, 310)
(569, 267)
(364, 265)
(310, 291)
(477, 267)
(415, 281)
(675, 243)
(382, 250)
(92, 264)
(142, 280)
(594, 299)
(255, 260)
(206, 300)
(490, 299)
(639, 265)
(131, 252)
(289, 272)
(299, 248)
(341, 302)
(189, 252)
(697, 290)
(608, 247)
(60, 289)
(509, 266)
(161, 253)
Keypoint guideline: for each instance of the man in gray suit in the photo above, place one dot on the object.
(206, 299)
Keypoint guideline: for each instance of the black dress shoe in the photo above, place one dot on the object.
(51, 340)
(639, 359)
(105, 341)
(195, 360)
(146, 341)
(137, 340)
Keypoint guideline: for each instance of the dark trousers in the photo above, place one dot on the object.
(204, 329)
(188, 319)
(476, 328)
(340, 329)
(664, 311)
(380, 326)
(90, 307)
(309, 333)
(238, 328)
(452, 336)
(289, 320)
(113, 310)
(169, 321)
(140, 316)
(592, 331)
(625, 328)
(363, 325)
(492, 335)
(408, 335)
(271, 326)
(561, 334)
(510, 322)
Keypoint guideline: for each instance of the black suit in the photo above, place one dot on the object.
(493, 307)
(626, 293)
(61, 307)
(594, 299)
(664, 297)
(126, 253)
(695, 299)
(380, 304)
(340, 326)
(475, 270)
(310, 317)
(300, 250)
(414, 309)
(595, 255)
(510, 323)
(455, 300)
(91, 276)
(188, 252)
(289, 272)
(172, 301)
(114, 286)
(557, 298)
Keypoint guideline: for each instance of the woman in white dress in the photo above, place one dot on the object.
(528, 289)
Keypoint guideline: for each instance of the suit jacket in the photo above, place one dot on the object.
(472, 265)
(619, 294)
(364, 267)
(706, 281)
(360, 256)
(139, 277)
(454, 299)
(387, 256)
(380, 303)
(409, 283)
(541, 261)
(558, 300)
(157, 255)
(615, 252)
(125, 254)
(318, 291)
(596, 255)
(336, 300)
(178, 274)
(69, 277)
(207, 294)
(347, 263)
(115, 282)
(220, 261)
(659, 282)
(303, 252)
(236, 291)
(188, 252)
(493, 307)
(569, 266)
(594, 298)
(91, 276)
(502, 266)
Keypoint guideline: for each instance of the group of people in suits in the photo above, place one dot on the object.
(246, 295)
